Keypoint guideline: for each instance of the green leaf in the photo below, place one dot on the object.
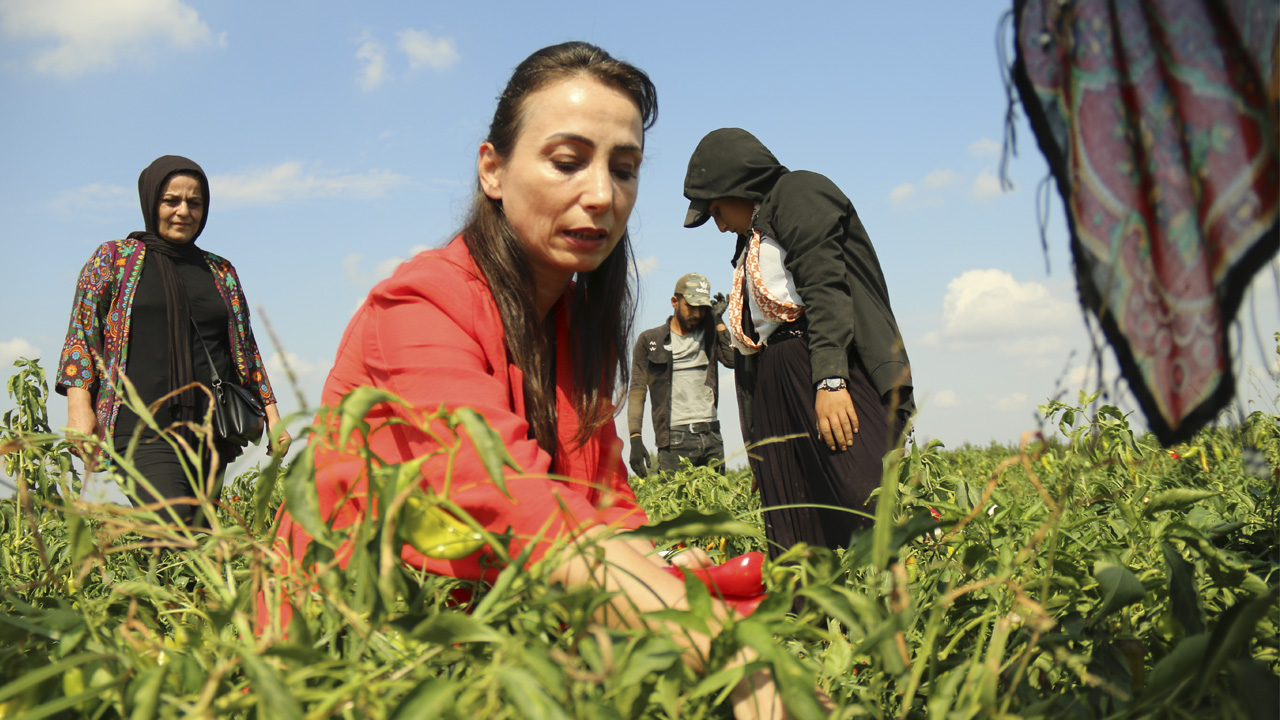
(146, 693)
(450, 627)
(1232, 635)
(694, 523)
(1183, 598)
(834, 602)
(144, 589)
(31, 678)
(356, 405)
(430, 698)
(301, 499)
(79, 538)
(1256, 686)
(489, 446)
(1176, 499)
(525, 693)
(886, 508)
(649, 657)
(1178, 668)
(274, 698)
(1119, 586)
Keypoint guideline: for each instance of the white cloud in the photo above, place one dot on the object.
(11, 350)
(646, 265)
(1085, 376)
(94, 198)
(946, 399)
(351, 265)
(984, 304)
(384, 269)
(290, 182)
(986, 149)
(1034, 346)
(941, 178)
(901, 193)
(276, 367)
(93, 35)
(1011, 403)
(374, 56)
(987, 186)
(425, 51)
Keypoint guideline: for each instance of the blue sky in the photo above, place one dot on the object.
(341, 137)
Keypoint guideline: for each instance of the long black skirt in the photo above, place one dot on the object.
(158, 462)
(802, 471)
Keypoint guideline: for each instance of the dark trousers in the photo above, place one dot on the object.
(158, 462)
(700, 442)
(802, 470)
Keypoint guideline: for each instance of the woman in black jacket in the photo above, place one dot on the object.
(810, 313)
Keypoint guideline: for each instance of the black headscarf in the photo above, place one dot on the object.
(151, 184)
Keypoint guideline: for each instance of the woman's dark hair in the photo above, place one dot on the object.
(602, 306)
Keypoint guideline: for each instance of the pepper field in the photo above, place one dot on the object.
(1092, 574)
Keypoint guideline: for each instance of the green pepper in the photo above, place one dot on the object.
(432, 531)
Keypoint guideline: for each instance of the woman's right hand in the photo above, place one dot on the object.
(82, 423)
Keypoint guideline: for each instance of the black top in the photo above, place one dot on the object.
(828, 254)
(148, 364)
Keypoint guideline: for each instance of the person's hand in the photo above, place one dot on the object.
(82, 426)
(639, 457)
(280, 446)
(691, 559)
(837, 418)
(718, 305)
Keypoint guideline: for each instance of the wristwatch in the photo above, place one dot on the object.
(832, 383)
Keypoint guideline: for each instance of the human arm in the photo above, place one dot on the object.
(639, 587)
(81, 420)
(78, 371)
(280, 445)
(639, 387)
(724, 344)
(95, 290)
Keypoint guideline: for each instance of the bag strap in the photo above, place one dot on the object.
(217, 381)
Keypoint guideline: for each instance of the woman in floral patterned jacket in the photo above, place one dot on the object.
(157, 309)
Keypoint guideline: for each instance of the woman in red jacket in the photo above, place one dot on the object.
(524, 317)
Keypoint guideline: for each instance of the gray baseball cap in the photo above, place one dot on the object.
(695, 289)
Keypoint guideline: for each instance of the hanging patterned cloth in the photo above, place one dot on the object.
(1159, 122)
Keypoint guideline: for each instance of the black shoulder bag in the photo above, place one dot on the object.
(238, 415)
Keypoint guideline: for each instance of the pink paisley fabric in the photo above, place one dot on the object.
(1158, 126)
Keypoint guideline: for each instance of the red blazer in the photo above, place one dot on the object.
(431, 334)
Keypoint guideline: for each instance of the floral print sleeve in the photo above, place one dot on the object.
(98, 335)
(78, 365)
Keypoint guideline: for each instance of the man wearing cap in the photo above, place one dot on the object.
(678, 364)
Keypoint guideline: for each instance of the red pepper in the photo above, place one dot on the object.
(739, 581)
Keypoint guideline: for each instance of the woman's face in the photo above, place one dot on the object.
(181, 209)
(733, 214)
(569, 184)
